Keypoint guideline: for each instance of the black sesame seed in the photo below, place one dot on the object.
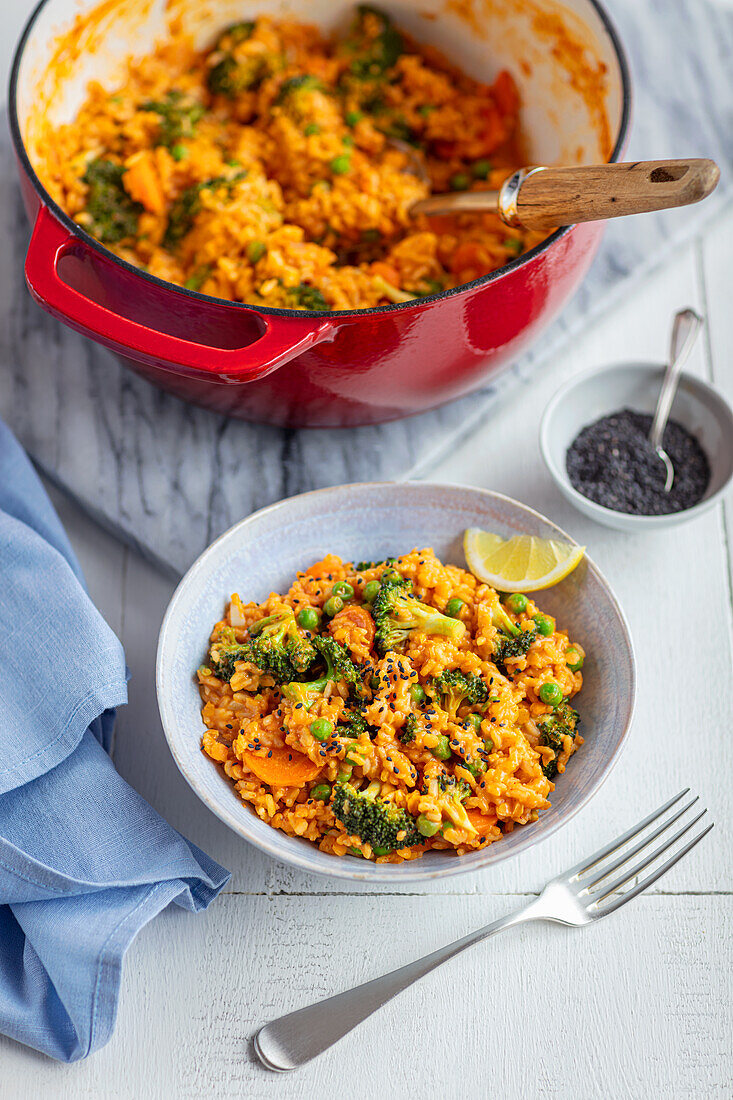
(612, 463)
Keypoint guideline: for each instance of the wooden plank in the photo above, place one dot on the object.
(714, 261)
(621, 1009)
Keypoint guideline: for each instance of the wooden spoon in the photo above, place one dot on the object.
(543, 198)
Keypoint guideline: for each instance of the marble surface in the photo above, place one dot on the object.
(170, 477)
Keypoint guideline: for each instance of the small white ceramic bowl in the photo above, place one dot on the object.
(373, 521)
(698, 406)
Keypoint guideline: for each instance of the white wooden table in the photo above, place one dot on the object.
(637, 1006)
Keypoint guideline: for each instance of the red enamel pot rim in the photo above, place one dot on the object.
(494, 276)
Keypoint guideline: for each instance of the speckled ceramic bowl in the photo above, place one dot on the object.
(698, 406)
(372, 521)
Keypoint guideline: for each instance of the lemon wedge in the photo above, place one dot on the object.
(523, 563)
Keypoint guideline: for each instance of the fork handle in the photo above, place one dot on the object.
(542, 198)
(293, 1040)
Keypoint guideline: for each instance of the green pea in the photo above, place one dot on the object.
(374, 682)
(426, 827)
(179, 152)
(442, 749)
(417, 693)
(513, 244)
(341, 165)
(574, 659)
(332, 605)
(454, 607)
(370, 591)
(488, 744)
(459, 182)
(308, 618)
(344, 774)
(321, 793)
(312, 128)
(545, 625)
(352, 117)
(426, 109)
(481, 169)
(391, 575)
(348, 141)
(255, 251)
(321, 729)
(474, 720)
(342, 589)
(381, 851)
(517, 603)
(551, 693)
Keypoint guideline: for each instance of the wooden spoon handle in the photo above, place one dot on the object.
(549, 197)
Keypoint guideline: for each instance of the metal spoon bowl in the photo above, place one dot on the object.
(685, 329)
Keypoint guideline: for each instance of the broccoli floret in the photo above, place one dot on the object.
(511, 640)
(458, 689)
(225, 652)
(187, 206)
(374, 44)
(304, 296)
(301, 97)
(374, 820)
(231, 76)
(339, 666)
(362, 566)
(562, 722)
(396, 614)
(507, 648)
(456, 788)
(280, 632)
(452, 793)
(178, 116)
(275, 645)
(353, 723)
(111, 215)
(408, 733)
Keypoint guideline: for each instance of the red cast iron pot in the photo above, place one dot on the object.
(342, 368)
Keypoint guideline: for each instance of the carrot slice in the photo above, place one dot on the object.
(354, 617)
(142, 182)
(282, 767)
(481, 822)
(387, 271)
(505, 93)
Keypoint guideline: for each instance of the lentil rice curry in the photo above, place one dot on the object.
(263, 169)
(383, 709)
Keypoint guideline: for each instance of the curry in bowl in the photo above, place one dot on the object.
(380, 710)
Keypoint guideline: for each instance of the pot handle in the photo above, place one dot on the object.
(280, 341)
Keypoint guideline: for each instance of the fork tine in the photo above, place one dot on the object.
(606, 871)
(591, 861)
(626, 876)
(603, 911)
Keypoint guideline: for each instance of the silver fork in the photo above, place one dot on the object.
(582, 895)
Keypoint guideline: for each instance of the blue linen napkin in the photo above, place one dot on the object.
(85, 862)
